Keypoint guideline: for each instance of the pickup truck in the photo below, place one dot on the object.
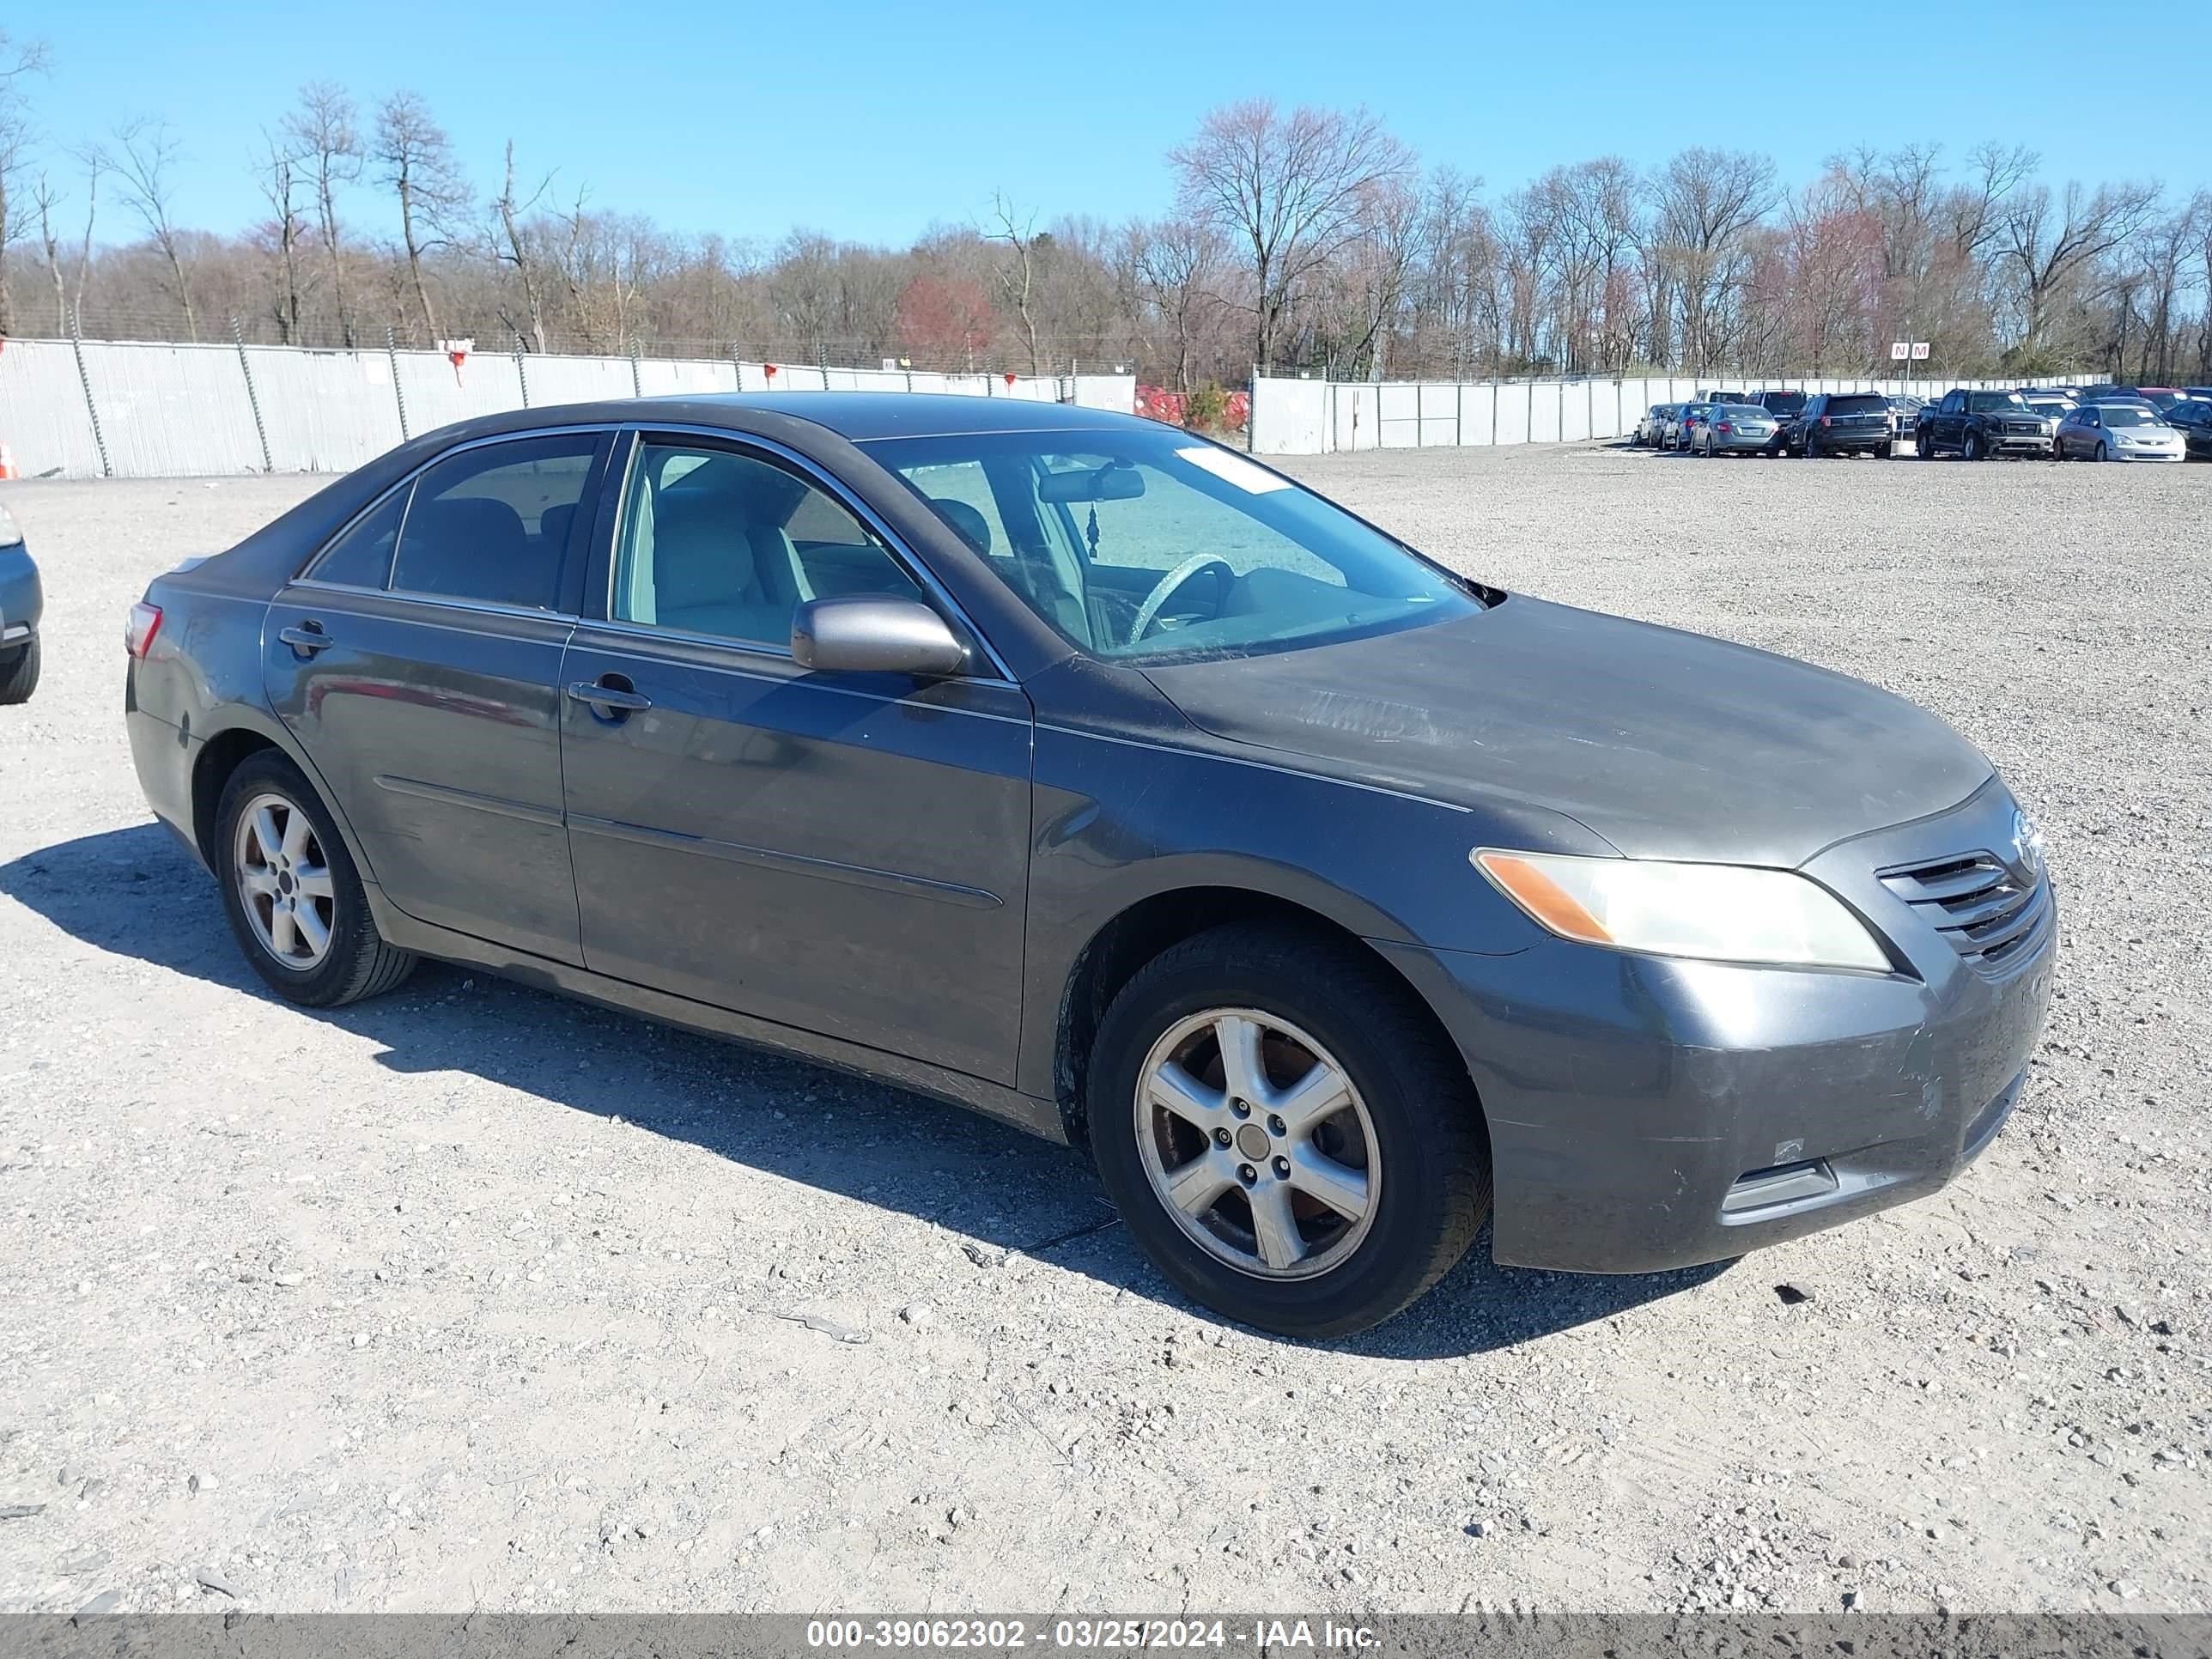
(1980, 424)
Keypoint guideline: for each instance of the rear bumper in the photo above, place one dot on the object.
(162, 755)
(1647, 1114)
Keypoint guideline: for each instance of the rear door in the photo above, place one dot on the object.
(846, 853)
(418, 662)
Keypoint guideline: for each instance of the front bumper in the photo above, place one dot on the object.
(23, 602)
(2149, 454)
(1647, 1113)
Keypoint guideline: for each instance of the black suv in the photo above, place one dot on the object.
(1841, 423)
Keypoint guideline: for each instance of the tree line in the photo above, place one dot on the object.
(1294, 240)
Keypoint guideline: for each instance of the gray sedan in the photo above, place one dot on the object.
(1096, 777)
(21, 604)
(1734, 429)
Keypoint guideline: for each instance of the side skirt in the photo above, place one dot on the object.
(1037, 1117)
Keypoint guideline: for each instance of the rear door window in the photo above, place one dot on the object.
(492, 524)
(1860, 404)
(361, 557)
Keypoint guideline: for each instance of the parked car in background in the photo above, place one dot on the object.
(1842, 423)
(2051, 403)
(21, 604)
(1687, 424)
(1726, 398)
(2193, 418)
(1976, 425)
(1736, 429)
(1904, 415)
(2202, 391)
(2162, 397)
(613, 697)
(1783, 408)
(1651, 430)
(2118, 432)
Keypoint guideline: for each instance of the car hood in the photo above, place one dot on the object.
(1666, 744)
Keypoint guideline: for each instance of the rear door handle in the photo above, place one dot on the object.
(307, 638)
(603, 697)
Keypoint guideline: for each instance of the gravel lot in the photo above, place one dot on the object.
(474, 1297)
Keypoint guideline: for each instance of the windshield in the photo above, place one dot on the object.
(1983, 403)
(1864, 404)
(1141, 544)
(2126, 415)
(1784, 403)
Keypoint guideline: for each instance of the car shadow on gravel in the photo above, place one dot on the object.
(136, 892)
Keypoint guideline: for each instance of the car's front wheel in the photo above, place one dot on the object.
(292, 897)
(18, 671)
(1285, 1130)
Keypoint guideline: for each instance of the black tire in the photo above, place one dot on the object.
(1923, 448)
(357, 962)
(18, 671)
(2103, 450)
(1812, 449)
(1971, 449)
(1882, 452)
(1428, 1129)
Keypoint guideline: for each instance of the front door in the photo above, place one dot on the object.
(418, 662)
(846, 853)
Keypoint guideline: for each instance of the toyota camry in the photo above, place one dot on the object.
(1096, 777)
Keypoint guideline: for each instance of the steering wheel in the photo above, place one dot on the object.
(1170, 584)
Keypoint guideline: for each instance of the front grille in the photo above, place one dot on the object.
(1987, 912)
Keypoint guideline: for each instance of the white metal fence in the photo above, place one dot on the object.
(130, 410)
(1319, 417)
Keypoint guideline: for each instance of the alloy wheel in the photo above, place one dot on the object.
(284, 880)
(1257, 1143)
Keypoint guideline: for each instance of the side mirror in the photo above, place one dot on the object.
(872, 634)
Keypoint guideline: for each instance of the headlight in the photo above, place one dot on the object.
(1717, 912)
(10, 536)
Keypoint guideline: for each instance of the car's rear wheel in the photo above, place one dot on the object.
(1286, 1132)
(18, 671)
(292, 895)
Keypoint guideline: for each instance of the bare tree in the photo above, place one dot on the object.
(1177, 264)
(1707, 202)
(1018, 271)
(277, 175)
(2046, 242)
(323, 130)
(143, 161)
(517, 246)
(419, 164)
(19, 63)
(1289, 189)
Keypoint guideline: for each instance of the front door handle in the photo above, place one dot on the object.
(307, 638)
(612, 696)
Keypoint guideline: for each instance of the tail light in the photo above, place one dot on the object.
(1824, 420)
(1723, 427)
(139, 634)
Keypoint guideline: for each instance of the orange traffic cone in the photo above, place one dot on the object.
(7, 463)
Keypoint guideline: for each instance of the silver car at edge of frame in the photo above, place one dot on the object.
(22, 604)
(1087, 774)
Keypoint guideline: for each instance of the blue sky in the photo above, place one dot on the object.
(872, 120)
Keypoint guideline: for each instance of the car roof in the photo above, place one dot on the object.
(856, 417)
